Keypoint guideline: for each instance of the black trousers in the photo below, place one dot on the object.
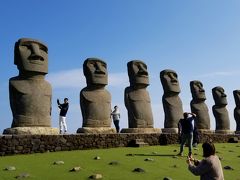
(116, 123)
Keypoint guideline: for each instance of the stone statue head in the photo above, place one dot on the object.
(236, 94)
(137, 73)
(198, 93)
(219, 96)
(169, 80)
(31, 55)
(95, 71)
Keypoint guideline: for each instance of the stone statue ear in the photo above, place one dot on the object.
(16, 53)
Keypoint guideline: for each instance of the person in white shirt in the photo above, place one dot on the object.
(116, 117)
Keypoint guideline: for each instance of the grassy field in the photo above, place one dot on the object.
(164, 164)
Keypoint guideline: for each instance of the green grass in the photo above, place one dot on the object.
(40, 166)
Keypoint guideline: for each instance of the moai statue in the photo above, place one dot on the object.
(198, 106)
(220, 111)
(172, 103)
(236, 94)
(137, 100)
(30, 94)
(95, 100)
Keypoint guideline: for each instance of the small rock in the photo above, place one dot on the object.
(96, 176)
(130, 155)
(58, 162)
(167, 178)
(148, 159)
(10, 168)
(114, 163)
(139, 170)
(97, 158)
(23, 175)
(75, 169)
(174, 150)
(228, 168)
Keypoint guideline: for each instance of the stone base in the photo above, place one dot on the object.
(170, 130)
(97, 130)
(224, 132)
(237, 132)
(205, 131)
(32, 131)
(141, 130)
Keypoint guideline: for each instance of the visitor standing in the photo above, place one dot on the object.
(208, 168)
(116, 117)
(62, 115)
(185, 128)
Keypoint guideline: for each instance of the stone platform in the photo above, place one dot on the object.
(32, 131)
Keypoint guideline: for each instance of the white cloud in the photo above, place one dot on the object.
(74, 78)
(223, 73)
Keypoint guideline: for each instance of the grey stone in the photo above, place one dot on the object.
(96, 176)
(148, 159)
(136, 97)
(95, 100)
(114, 163)
(236, 94)
(97, 158)
(22, 176)
(10, 168)
(139, 170)
(220, 111)
(228, 168)
(34, 108)
(75, 169)
(58, 163)
(199, 107)
(172, 103)
(167, 178)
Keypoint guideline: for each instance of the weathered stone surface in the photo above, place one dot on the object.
(95, 100)
(58, 162)
(141, 170)
(22, 176)
(75, 169)
(136, 97)
(172, 103)
(97, 130)
(96, 176)
(141, 130)
(10, 168)
(198, 106)
(28, 144)
(34, 108)
(31, 130)
(220, 111)
(114, 163)
(236, 94)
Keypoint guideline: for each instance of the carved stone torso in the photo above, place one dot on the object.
(173, 110)
(221, 117)
(30, 102)
(137, 102)
(96, 107)
(237, 118)
(202, 120)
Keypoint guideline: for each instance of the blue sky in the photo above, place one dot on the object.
(200, 40)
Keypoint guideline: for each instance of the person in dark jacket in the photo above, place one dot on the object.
(62, 115)
(185, 129)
